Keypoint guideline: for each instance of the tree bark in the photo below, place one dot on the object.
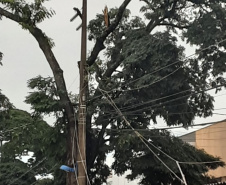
(61, 87)
(45, 46)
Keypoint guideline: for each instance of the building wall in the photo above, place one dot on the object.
(189, 138)
(213, 140)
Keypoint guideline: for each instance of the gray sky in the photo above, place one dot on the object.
(24, 60)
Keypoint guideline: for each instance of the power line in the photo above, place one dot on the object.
(5, 131)
(138, 134)
(163, 128)
(175, 113)
(144, 139)
(73, 82)
(28, 171)
(168, 96)
(166, 67)
(147, 85)
(169, 101)
(47, 173)
(75, 136)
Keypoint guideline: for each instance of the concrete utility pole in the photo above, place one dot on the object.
(81, 148)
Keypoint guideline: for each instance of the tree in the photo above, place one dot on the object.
(44, 182)
(144, 164)
(144, 71)
(16, 173)
(25, 134)
(43, 100)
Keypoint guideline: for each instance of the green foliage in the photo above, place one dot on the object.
(24, 133)
(142, 163)
(5, 106)
(146, 74)
(45, 99)
(96, 26)
(32, 13)
(16, 173)
(44, 182)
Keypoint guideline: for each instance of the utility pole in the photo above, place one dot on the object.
(81, 148)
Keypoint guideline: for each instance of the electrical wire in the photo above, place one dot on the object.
(151, 84)
(166, 67)
(168, 96)
(78, 147)
(115, 107)
(73, 82)
(82, 161)
(47, 173)
(73, 157)
(160, 128)
(152, 106)
(28, 171)
(175, 113)
(143, 139)
(5, 131)
(111, 102)
(163, 103)
(147, 85)
(184, 162)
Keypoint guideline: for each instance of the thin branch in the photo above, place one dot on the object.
(146, 1)
(153, 23)
(98, 75)
(43, 42)
(99, 45)
(11, 16)
(174, 25)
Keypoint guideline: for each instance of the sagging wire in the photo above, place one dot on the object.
(111, 102)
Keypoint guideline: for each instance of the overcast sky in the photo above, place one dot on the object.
(24, 60)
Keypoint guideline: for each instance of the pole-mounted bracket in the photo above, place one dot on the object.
(78, 13)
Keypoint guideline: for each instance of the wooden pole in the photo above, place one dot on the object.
(81, 148)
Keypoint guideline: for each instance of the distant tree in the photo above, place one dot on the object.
(5, 106)
(129, 152)
(16, 173)
(24, 134)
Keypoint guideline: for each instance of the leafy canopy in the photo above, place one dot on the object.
(146, 74)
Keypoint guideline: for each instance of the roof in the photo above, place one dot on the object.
(216, 183)
(209, 125)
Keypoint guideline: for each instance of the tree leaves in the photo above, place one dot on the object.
(45, 99)
(16, 172)
(134, 156)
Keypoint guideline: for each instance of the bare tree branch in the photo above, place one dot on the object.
(11, 16)
(174, 25)
(99, 45)
(45, 46)
(153, 23)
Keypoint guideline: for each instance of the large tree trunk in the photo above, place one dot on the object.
(45, 46)
(65, 101)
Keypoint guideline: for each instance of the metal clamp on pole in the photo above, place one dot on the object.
(78, 13)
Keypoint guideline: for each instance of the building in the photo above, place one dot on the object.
(213, 140)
